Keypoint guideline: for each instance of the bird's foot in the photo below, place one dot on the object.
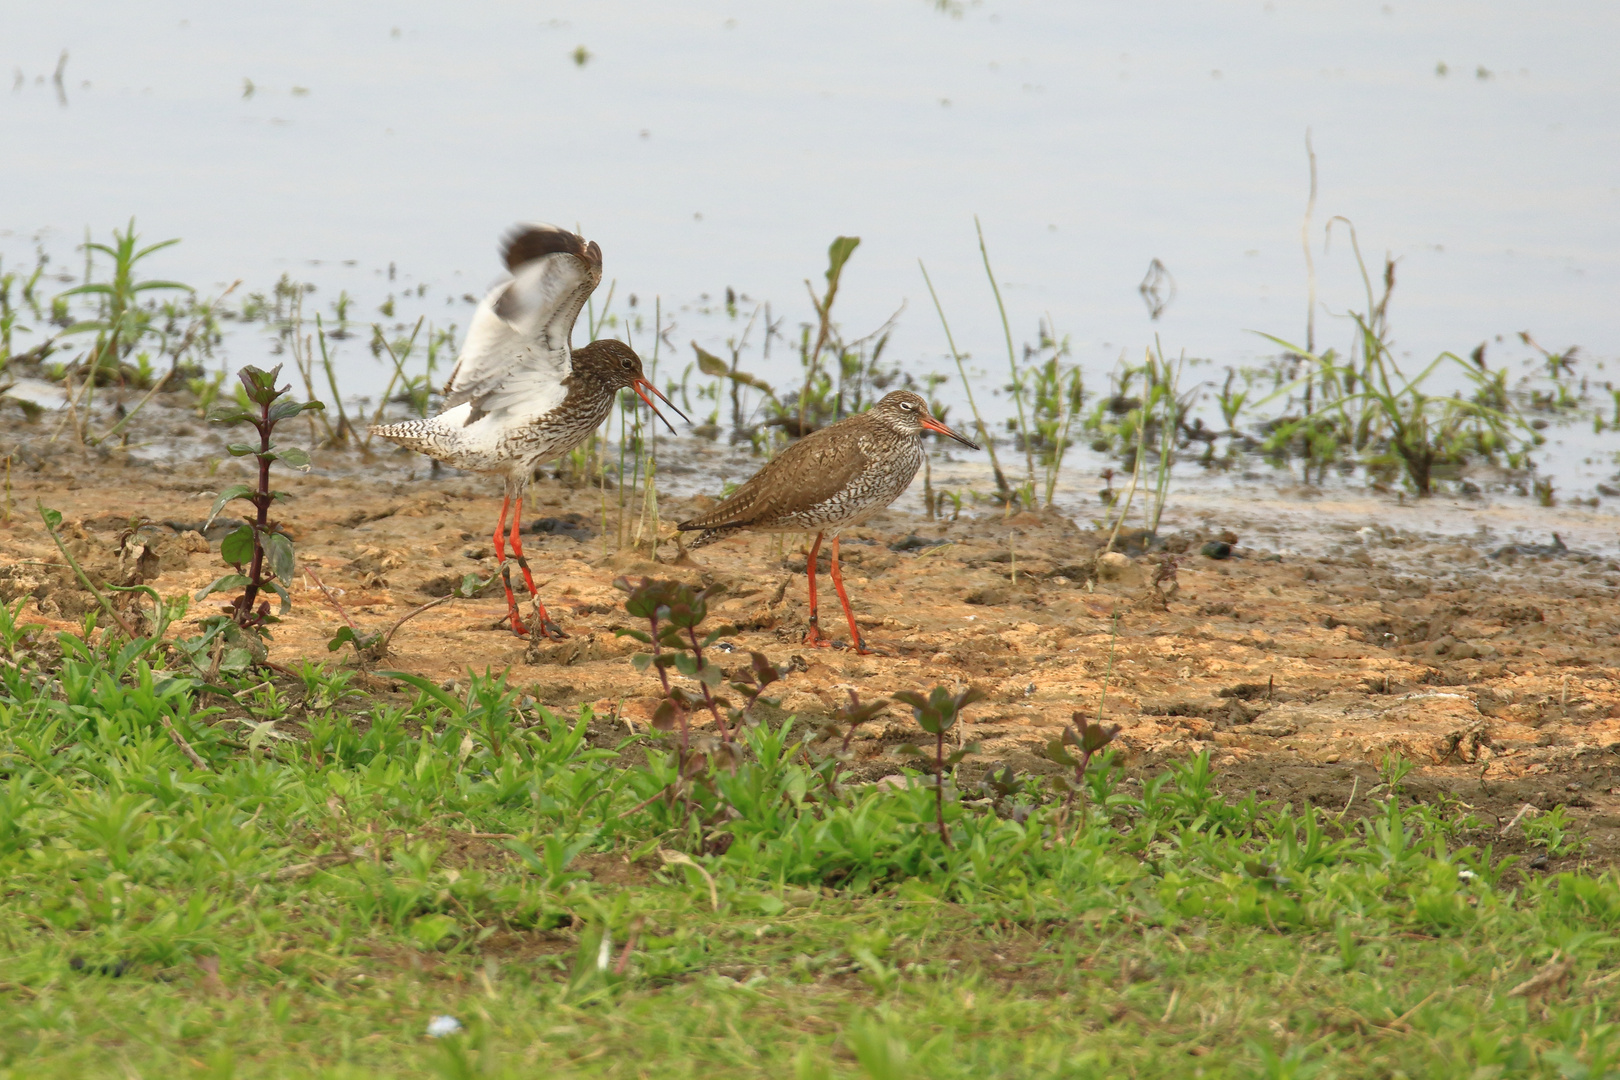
(516, 622)
(550, 631)
(814, 638)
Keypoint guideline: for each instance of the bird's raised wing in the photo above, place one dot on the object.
(516, 356)
(807, 473)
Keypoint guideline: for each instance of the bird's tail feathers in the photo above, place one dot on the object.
(424, 435)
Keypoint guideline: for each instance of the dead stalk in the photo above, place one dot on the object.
(185, 747)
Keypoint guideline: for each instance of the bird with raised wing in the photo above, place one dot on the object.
(519, 394)
(826, 482)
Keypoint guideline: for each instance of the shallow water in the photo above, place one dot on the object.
(717, 144)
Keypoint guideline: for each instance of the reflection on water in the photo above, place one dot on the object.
(379, 151)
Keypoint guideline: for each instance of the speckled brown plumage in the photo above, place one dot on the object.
(829, 480)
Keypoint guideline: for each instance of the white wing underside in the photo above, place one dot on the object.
(516, 358)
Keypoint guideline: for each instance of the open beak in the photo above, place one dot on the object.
(642, 386)
(931, 424)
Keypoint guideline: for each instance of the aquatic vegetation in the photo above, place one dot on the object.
(131, 331)
(1015, 386)
(121, 321)
(985, 438)
(1357, 411)
(1365, 404)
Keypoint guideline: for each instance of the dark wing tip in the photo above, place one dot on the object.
(716, 523)
(525, 243)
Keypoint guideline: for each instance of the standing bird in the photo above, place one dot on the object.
(519, 395)
(827, 481)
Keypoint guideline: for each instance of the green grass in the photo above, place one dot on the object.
(333, 877)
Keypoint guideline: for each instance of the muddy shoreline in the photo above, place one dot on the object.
(1300, 661)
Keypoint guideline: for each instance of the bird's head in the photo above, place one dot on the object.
(615, 366)
(908, 414)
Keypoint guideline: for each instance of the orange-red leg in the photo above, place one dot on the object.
(506, 571)
(546, 628)
(812, 636)
(843, 598)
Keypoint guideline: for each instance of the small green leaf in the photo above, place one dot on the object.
(710, 676)
(285, 410)
(261, 385)
(639, 635)
(97, 288)
(235, 491)
(429, 930)
(241, 449)
(343, 634)
(279, 547)
(686, 663)
(1097, 736)
(641, 661)
(280, 590)
(838, 253)
(1055, 751)
(237, 548)
(146, 590)
(430, 689)
(471, 585)
(710, 364)
(228, 414)
(53, 518)
(229, 581)
(293, 457)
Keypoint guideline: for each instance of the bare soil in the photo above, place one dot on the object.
(1495, 669)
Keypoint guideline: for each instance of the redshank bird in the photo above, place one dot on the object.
(519, 395)
(828, 481)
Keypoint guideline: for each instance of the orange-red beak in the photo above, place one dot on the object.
(641, 387)
(931, 424)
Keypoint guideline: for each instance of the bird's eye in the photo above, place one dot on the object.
(628, 363)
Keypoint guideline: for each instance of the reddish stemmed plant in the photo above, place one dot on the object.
(262, 555)
(1079, 742)
(844, 722)
(675, 615)
(937, 714)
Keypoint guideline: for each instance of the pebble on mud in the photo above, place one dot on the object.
(1115, 566)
